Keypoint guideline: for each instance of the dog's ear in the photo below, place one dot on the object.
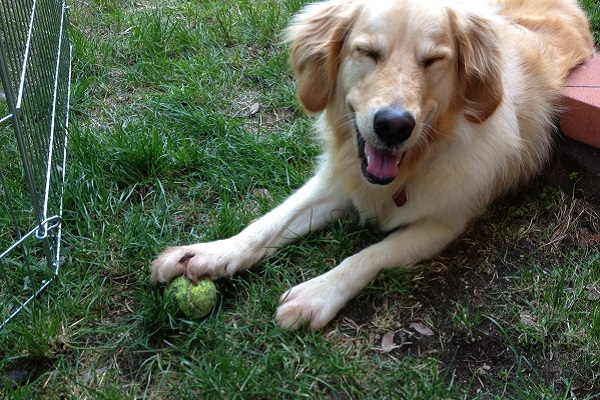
(479, 64)
(317, 35)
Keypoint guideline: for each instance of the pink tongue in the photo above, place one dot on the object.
(381, 163)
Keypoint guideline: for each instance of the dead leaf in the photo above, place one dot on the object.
(483, 369)
(421, 328)
(587, 239)
(262, 193)
(248, 110)
(254, 109)
(594, 293)
(527, 319)
(387, 342)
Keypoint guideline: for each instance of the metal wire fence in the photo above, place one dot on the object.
(35, 69)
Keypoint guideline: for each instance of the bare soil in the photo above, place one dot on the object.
(477, 275)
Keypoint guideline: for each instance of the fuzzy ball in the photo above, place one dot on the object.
(194, 301)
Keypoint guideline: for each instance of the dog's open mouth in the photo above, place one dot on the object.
(379, 166)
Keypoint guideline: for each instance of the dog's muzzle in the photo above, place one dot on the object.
(380, 164)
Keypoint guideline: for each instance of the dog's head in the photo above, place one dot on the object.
(393, 72)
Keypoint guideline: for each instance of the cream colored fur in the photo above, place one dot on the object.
(481, 82)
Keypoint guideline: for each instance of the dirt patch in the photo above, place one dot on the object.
(23, 370)
(460, 298)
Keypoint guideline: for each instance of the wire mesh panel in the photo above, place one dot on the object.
(35, 59)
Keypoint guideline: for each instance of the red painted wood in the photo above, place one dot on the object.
(580, 116)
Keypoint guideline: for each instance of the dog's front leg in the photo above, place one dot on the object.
(317, 301)
(309, 209)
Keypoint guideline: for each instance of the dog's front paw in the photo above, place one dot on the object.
(313, 303)
(213, 259)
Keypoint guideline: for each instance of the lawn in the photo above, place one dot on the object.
(185, 127)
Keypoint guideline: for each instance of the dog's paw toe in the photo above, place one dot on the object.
(212, 259)
(170, 264)
(293, 315)
(308, 304)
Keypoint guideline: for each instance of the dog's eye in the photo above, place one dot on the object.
(369, 53)
(429, 61)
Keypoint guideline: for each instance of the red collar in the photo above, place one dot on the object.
(400, 198)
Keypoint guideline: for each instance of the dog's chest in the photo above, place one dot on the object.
(386, 211)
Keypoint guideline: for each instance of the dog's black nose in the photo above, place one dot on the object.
(393, 125)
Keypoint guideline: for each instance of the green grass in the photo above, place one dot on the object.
(593, 9)
(164, 150)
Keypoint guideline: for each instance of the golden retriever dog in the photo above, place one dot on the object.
(430, 109)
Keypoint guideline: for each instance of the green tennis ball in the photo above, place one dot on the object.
(194, 301)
